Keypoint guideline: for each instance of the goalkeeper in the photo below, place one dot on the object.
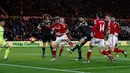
(3, 43)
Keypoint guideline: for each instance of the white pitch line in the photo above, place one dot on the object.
(42, 68)
(101, 67)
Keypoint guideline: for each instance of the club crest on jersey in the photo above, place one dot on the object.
(57, 27)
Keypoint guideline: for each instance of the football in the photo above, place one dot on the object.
(32, 39)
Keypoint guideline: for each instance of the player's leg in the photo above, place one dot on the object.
(51, 48)
(45, 38)
(1, 47)
(61, 48)
(116, 47)
(104, 52)
(92, 43)
(43, 49)
(7, 51)
(52, 38)
(108, 45)
(54, 46)
(56, 43)
(70, 43)
(78, 46)
(80, 43)
(107, 49)
(117, 50)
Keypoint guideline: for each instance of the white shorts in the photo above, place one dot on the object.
(2, 42)
(95, 41)
(63, 43)
(112, 40)
(61, 39)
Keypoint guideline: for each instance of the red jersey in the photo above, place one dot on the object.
(111, 29)
(98, 29)
(117, 27)
(60, 28)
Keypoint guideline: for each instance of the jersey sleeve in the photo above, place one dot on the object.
(118, 28)
(94, 27)
(51, 26)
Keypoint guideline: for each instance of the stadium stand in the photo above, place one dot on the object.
(19, 28)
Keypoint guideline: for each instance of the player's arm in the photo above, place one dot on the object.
(51, 26)
(40, 25)
(94, 29)
(117, 29)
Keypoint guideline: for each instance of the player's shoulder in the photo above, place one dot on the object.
(102, 21)
(95, 21)
(1, 28)
(99, 20)
(64, 24)
(116, 23)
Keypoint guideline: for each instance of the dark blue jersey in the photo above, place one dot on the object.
(84, 29)
(45, 30)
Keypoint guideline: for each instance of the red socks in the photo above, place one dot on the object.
(118, 50)
(104, 52)
(54, 53)
(70, 43)
(108, 51)
(88, 55)
(61, 50)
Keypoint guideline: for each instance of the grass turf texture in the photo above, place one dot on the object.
(28, 60)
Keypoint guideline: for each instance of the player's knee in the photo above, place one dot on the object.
(100, 46)
(0, 45)
(91, 45)
(50, 43)
(112, 49)
(89, 50)
(82, 40)
(54, 50)
(62, 45)
(79, 49)
(44, 44)
(106, 47)
(54, 44)
(7, 45)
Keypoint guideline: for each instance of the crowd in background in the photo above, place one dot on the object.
(19, 29)
(22, 28)
(66, 8)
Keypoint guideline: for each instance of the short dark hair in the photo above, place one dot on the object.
(100, 14)
(56, 18)
(46, 15)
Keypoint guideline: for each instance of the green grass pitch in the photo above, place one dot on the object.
(28, 60)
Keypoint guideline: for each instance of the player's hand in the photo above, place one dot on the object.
(116, 34)
(91, 34)
(39, 27)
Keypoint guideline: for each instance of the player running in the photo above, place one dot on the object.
(98, 37)
(85, 30)
(61, 34)
(62, 20)
(113, 31)
(47, 33)
(3, 43)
